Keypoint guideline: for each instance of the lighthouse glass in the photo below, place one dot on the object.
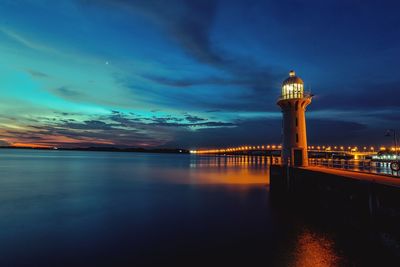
(292, 90)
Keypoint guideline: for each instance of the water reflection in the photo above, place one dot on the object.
(228, 170)
(87, 209)
(314, 250)
(243, 161)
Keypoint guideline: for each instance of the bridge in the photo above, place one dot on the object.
(328, 151)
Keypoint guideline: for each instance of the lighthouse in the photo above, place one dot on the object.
(293, 103)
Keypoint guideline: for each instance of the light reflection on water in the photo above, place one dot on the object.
(233, 170)
(60, 208)
(314, 250)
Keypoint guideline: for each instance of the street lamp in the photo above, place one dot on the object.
(395, 165)
(389, 133)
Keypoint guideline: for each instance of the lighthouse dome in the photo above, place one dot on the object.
(293, 79)
(292, 87)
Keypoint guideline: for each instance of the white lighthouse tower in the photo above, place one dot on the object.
(293, 102)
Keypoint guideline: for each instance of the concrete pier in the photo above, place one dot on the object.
(370, 195)
(368, 204)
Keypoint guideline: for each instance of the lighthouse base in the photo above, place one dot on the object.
(295, 157)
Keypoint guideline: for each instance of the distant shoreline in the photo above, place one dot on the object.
(108, 149)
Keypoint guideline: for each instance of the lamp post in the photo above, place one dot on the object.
(388, 133)
(395, 165)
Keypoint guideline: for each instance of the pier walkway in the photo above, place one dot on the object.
(364, 176)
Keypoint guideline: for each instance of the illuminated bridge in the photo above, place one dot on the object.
(274, 149)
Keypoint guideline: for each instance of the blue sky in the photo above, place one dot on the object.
(193, 74)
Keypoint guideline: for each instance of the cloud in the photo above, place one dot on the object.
(364, 96)
(188, 121)
(4, 143)
(127, 130)
(194, 119)
(67, 92)
(25, 41)
(338, 132)
(116, 129)
(36, 73)
(385, 115)
(89, 125)
(262, 131)
(208, 124)
(190, 82)
(94, 133)
(189, 23)
(268, 131)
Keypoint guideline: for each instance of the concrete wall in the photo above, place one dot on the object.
(376, 203)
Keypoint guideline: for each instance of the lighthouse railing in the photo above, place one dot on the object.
(296, 96)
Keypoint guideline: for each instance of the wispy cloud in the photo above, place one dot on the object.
(26, 41)
(36, 73)
(189, 23)
(4, 143)
(117, 128)
(363, 96)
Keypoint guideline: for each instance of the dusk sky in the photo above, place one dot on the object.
(195, 73)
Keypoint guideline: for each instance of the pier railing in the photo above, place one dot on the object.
(364, 165)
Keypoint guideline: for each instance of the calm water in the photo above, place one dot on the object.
(60, 208)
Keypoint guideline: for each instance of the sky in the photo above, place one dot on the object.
(195, 73)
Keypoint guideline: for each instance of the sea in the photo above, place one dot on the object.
(75, 208)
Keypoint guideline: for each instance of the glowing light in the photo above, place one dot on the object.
(354, 150)
(29, 145)
(293, 87)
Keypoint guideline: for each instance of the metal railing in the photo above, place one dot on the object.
(368, 166)
(297, 95)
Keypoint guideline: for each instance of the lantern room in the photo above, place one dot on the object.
(292, 87)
